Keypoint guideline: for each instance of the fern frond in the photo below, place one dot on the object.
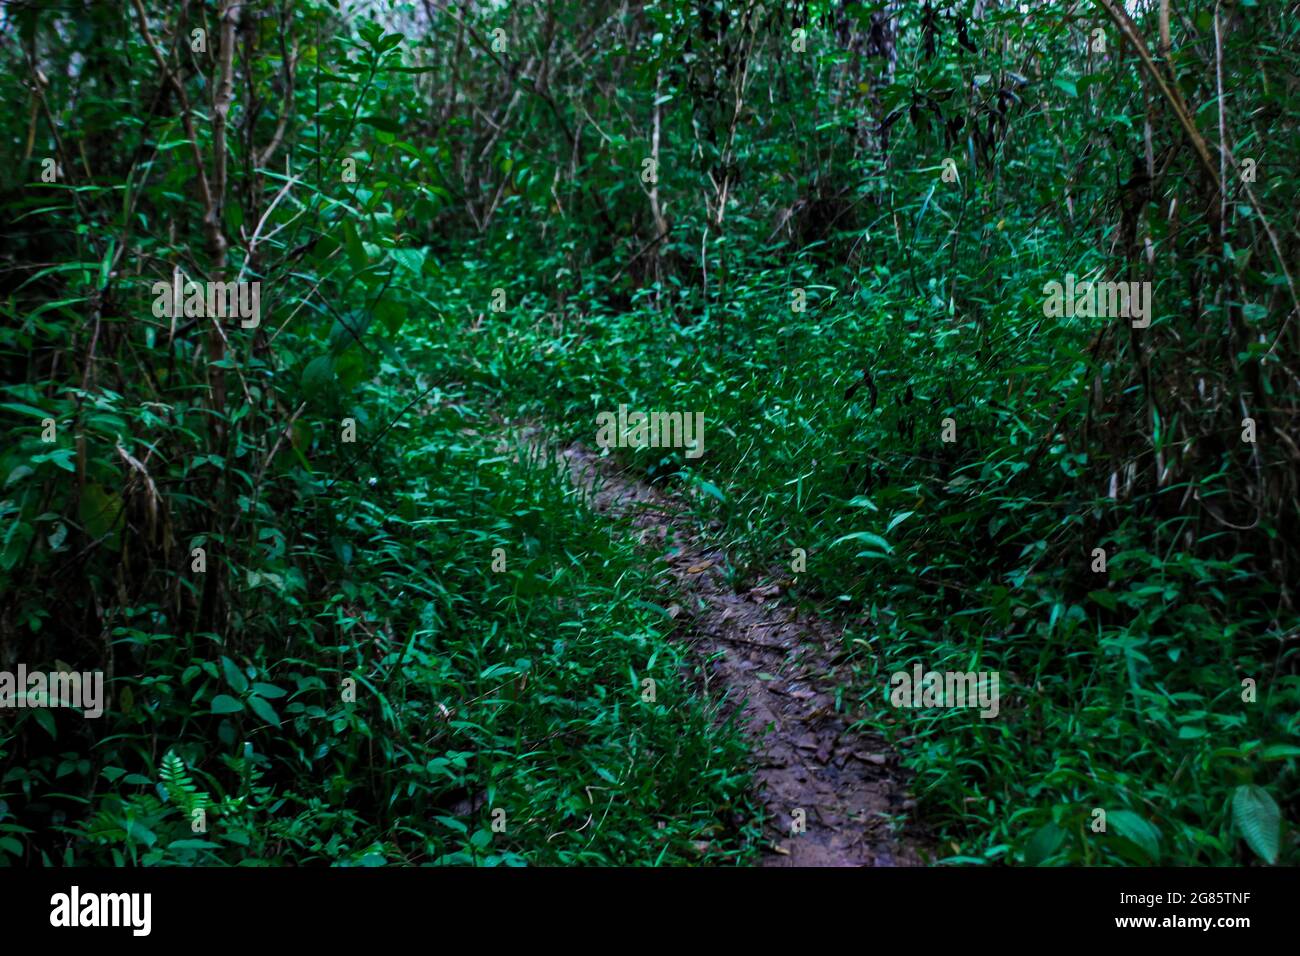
(180, 787)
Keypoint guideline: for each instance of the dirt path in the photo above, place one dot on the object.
(781, 669)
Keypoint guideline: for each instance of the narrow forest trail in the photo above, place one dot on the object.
(780, 668)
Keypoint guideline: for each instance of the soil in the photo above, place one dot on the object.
(779, 667)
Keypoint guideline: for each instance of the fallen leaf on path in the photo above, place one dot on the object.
(877, 759)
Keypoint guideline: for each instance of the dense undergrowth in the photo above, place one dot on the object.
(1120, 691)
(392, 685)
(452, 234)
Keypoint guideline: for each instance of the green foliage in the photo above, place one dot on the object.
(181, 790)
(1259, 820)
(350, 682)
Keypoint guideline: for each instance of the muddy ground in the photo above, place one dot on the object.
(780, 667)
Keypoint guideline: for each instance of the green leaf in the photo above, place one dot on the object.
(711, 490)
(350, 367)
(898, 519)
(225, 704)
(1104, 598)
(101, 514)
(193, 845)
(1259, 820)
(318, 375)
(1046, 840)
(43, 717)
(26, 410)
(264, 710)
(234, 676)
(135, 830)
(63, 457)
(356, 250)
(868, 537)
(1279, 752)
(1137, 830)
(412, 260)
(178, 785)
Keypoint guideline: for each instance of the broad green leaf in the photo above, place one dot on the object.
(234, 676)
(1260, 821)
(225, 704)
(264, 710)
(1137, 830)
